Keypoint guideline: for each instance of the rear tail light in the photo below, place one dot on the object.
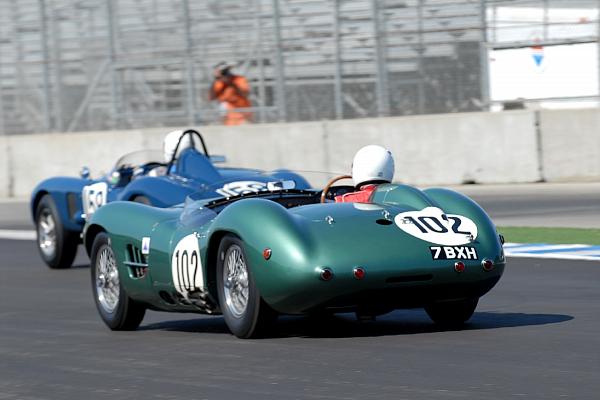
(326, 274)
(459, 266)
(267, 253)
(359, 273)
(487, 264)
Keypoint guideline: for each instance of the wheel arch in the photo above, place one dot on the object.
(212, 251)
(37, 197)
(262, 224)
(90, 235)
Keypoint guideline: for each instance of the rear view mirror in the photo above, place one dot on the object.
(84, 172)
(217, 159)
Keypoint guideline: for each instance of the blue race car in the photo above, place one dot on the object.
(61, 205)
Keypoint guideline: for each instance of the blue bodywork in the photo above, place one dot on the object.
(192, 172)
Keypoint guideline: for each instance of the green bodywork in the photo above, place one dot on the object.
(399, 268)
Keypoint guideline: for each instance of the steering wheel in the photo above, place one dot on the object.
(330, 184)
(144, 169)
(191, 133)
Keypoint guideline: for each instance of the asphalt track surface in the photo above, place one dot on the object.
(534, 336)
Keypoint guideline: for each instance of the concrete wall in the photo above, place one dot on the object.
(442, 149)
(446, 149)
(36, 157)
(570, 144)
(4, 168)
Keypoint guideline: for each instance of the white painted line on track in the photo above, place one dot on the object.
(553, 251)
(13, 234)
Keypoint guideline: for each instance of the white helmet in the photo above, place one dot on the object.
(372, 163)
(170, 143)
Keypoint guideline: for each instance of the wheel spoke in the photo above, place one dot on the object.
(235, 281)
(47, 233)
(107, 282)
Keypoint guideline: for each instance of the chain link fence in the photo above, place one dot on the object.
(71, 65)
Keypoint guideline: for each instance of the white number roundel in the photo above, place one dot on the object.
(93, 197)
(433, 225)
(186, 266)
(241, 187)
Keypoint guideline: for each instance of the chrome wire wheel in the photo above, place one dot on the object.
(107, 279)
(46, 230)
(235, 281)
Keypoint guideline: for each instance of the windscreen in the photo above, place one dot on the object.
(140, 157)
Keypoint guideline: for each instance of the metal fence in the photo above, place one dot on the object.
(70, 65)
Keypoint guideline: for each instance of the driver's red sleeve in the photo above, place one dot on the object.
(361, 196)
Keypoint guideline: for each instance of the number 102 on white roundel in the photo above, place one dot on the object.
(186, 266)
(433, 225)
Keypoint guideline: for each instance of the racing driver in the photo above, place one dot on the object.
(372, 166)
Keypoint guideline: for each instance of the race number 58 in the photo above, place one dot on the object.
(93, 197)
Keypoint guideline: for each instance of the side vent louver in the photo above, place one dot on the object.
(136, 261)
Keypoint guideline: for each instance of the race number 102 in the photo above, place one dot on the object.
(186, 265)
(427, 224)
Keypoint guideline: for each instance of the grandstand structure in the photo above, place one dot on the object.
(70, 65)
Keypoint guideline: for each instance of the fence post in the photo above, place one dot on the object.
(112, 56)
(484, 58)
(380, 82)
(189, 62)
(338, 94)
(260, 60)
(57, 109)
(46, 106)
(2, 126)
(598, 55)
(279, 64)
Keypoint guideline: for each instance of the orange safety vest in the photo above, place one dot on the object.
(232, 100)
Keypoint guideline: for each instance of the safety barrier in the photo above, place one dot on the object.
(505, 147)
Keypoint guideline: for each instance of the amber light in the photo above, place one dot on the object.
(487, 264)
(359, 273)
(459, 266)
(267, 253)
(326, 274)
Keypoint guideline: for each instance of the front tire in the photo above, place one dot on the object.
(57, 246)
(245, 312)
(452, 313)
(117, 310)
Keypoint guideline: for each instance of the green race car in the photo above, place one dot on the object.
(255, 255)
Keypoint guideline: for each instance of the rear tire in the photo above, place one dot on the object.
(117, 310)
(57, 246)
(245, 312)
(452, 313)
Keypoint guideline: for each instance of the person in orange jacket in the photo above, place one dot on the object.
(372, 166)
(232, 91)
